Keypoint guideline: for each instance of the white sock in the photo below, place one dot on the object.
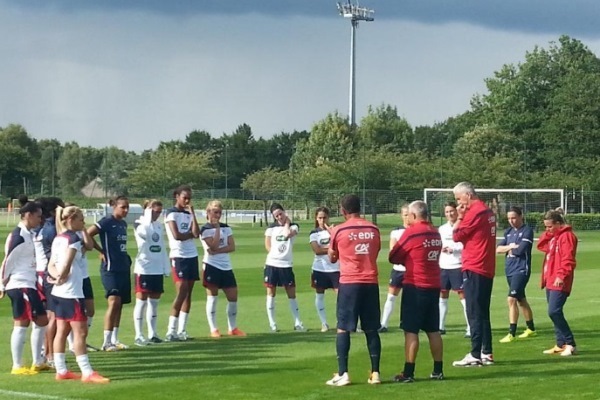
(17, 344)
(232, 315)
(443, 312)
(320, 304)
(388, 307)
(115, 335)
(172, 327)
(138, 316)
(151, 316)
(183, 319)
(89, 322)
(211, 312)
(70, 341)
(464, 304)
(84, 365)
(271, 310)
(107, 338)
(295, 312)
(59, 363)
(38, 334)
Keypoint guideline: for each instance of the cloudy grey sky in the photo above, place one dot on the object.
(134, 72)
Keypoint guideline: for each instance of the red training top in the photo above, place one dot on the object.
(560, 249)
(419, 251)
(477, 232)
(357, 242)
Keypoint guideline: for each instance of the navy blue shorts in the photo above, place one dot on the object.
(358, 301)
(451, 279)
(88, 290)
(149, 283)
(48, 293)
(185, 269)
(516, 285)
(214, 277)
(26, 304)
(279, 277)
(396, 279)
(70, 309)
(420, 310)
(325, 280)
(117, 284)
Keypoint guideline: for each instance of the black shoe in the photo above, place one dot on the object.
(155, 340)
(403, 379)
(437, 376)
(442, 331)
(383, 329)
(91, 348)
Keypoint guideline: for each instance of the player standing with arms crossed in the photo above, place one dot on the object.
(356, 244)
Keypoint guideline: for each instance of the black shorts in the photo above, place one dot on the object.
(117, 284)
(185, 269)
(358, 300)
(48, 294)
(149, 283)
(214, 277)
(70, 309)
(396, 279)
(325, 280)
(279, 277)
(516, 285)
(88, 290)
(420, 310)
(451, 279)
(26, 304)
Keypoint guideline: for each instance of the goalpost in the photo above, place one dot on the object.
(499, 200)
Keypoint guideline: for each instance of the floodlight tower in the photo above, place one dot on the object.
(355, 13)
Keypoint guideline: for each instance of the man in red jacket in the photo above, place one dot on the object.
(419, 251)
(475, 228)
(560, 245)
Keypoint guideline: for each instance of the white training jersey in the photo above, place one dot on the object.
(84, 261)
(221, 261)
(41, 262)
(151, 258)
(19, 260)
(183, 220)
(280, 255)
(321, 262)
(396, 234)
(73, 286)
(450, 260)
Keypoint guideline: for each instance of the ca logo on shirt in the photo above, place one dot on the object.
(361, 248)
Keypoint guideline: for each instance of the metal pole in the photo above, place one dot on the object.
(226, 169)
(352, 100)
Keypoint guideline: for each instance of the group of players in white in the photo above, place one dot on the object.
(68, 298)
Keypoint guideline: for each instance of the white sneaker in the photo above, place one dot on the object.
(121, 346)
(487, 359)
(300, 328)
(183, 336)
(274, 328)
(338, 380)
(171, 337)
(568, 350)
(374, 379)
(324, 328)
(468, 361)
(140, 341)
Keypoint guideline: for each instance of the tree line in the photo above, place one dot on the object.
(537, 125)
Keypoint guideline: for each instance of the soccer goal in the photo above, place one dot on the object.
(499, 200)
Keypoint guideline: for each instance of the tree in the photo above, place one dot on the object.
(264, 184)
(165, 169)
(19, 161)
(382, 126)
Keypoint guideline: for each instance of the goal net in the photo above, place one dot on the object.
(499, 200)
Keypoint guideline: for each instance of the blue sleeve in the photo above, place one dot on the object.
(526, 243)
(103, 224)
(14, 240)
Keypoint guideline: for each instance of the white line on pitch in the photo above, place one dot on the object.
(29, 395)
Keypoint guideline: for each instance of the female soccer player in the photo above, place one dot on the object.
(325, 274)
(182, 229)
(19, 282)
(217, 241)
(115, 269)
(396, 275)
(279, 239)
(151, 264)
(66, 272)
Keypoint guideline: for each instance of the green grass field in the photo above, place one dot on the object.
(290, 365)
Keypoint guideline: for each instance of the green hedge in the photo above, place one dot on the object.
(581, 222)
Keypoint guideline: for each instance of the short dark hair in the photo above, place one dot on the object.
(276, 206)
(516, 210)
(351, 203)
(30, 207)
(451, 204)
(182, 188)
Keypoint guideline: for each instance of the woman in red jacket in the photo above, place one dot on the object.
(560, 245)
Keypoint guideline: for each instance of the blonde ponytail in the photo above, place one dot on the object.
(62, 215)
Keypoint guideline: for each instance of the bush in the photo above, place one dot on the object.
(579, 222)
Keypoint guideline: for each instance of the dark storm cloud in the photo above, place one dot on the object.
(573, 17)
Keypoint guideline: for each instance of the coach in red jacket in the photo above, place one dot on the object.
(419, 251)
(475, 228)
(560, 245)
